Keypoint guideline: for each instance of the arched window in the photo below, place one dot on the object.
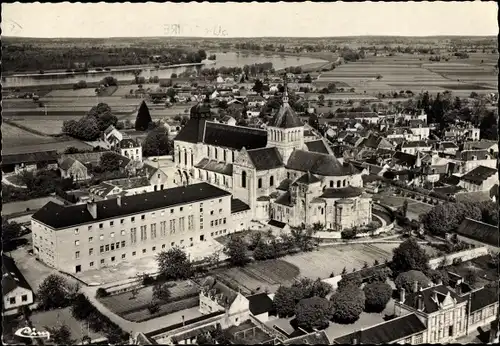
(338, 183)
(344, 183)
(244, 179)
(331, 183)
(271, 181)
(288, 175)
(233, 156)
(179, 153)
(216, 153)
(208, 152)
(225, 155)
(259, 183)
(185, 157)
(192, 159)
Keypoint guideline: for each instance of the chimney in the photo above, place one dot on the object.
(420, 302)
(440, 282)
(354, 341)
(458, 288)
(415, 286)
(402, 295)
(435, 296)
(92, 208)
(119, 200)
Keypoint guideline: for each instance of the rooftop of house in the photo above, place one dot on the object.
(315, 338)
(238, 205)
(483, 297)
(479, 174)
(470, 155)
(385, 333)
(479, 231)
(129, 143)
(260, 303)
(60, 217)
(11, 276)
(345, 192)
(416, 144)
(217, 290)
(432, 298)
(36, 157)
(318, 146)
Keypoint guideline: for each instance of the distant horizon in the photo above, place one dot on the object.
(250, 20)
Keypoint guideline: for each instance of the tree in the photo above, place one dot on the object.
(143, 118)
(404, 208)
(156, 143)
(320, 288)
(285, 299)
(263, 251)
(258, 86)
(109, 81)
(313, 121)
(407, 280)
(161, 292)
(347, 305)
(10, 231)
(471, 276)
(81, 308)
(446, 217)
(313, 313)
(255, 238)
(110, 162)
(489, 125)
(174, 264)
(377, 296)
(409, 256)
(437, 276)
(54, 292)
(80, 85)
(236, 251)
(347, 280)
(379, 275)
(103, 116)
(60, 335)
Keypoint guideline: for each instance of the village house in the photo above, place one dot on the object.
(16, 291)
(112, 137)
(130, 148)
(490, 146)
(72, 168)
(29, 162)
(467, 160)
(414, 146)
(480, 178)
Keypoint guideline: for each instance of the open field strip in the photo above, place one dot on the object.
(13, 136)
(49, 127)
(87, 92)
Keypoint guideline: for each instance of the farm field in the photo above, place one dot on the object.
(19, 146)
(49, 127)
(15, 137)
(86, 92)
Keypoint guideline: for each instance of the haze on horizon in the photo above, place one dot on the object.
(231, 20)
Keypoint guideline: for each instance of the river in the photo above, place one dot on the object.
(229, 59)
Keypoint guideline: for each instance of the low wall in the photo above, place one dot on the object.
(337, 235)
(465, 255)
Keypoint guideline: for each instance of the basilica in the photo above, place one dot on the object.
(279, 174)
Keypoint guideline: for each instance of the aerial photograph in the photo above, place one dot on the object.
(250, 173)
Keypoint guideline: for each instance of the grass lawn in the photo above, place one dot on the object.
(165, 309)
(13, 136)
(53, 318)
(32, 204)
(49, 127)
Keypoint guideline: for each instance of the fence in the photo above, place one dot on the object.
(465, 255)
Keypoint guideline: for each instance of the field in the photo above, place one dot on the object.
(49, 127)
(416, 73)
(13, 137)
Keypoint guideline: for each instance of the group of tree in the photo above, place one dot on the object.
(90, 126)
(11, 231)
(55, 292)
(174, 264)
(446, 217)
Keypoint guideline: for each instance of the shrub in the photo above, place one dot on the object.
(353, 279)
(314, 312)
(153, 307)
(377, 296)
(348, 233)
(148, 280)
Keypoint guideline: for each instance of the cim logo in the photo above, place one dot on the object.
(27, 332)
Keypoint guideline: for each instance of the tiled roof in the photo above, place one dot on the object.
(479, 174)
(284, 199)
(482, 298)
(234, 137)
(215, 166)
(193, 131)
(260, 303)
(238, 206)
(430, 305)
(284, 185)
(286, 118)
(40, 156)
(479, 231)
(265, 158)
(129, 143)
(67, 163)
(307, 179)
(11, 276)
(416, 144)
(317, 146)
(478, 145)
(227, 295)
(316, 163)
(385, 333)
(57, 216)
(346, 192)
(404, 159)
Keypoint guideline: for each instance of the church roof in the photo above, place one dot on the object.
(317, 146)
(286, 118)
(346, 192)
(265, 158)
(307, 179)
(317, 163)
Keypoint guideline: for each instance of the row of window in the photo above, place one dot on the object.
(143, 217)
(24, 298)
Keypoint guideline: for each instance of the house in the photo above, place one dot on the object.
(216, 296)
(479, 233)
(414, 146)
(376, 142)
(407, 329)
(480, 178)
(112, 137)
(447, 147)
(419, 129)
(483, 307)
(17, 163)
(260, 305)
(490, 146)
(131, 149)
(463, 133)
(71, 168)
(255, 101)
(156, 176)
(173, 127)
(121, 187)
(439, 307)
(16, 291)
(467, 160)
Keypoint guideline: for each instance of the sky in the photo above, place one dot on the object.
(303, 19)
